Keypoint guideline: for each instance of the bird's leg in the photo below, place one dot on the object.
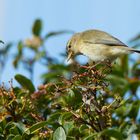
(85, 67)
(90, 63)
(92, 67)
(108, 63)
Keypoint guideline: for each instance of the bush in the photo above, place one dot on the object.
(73, 102)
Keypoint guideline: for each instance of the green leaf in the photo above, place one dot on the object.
(90, 137)
(10, 137)
(36, 127)
(20, 126)
(136, 38)
(25, 82)
(124, 64)
(17, 137)
(37, 27)
(118, 83)
(58, 67)
(9, 125)
(124, 110)
(20, 47)
(70, 138)
(128, 129)
(112, 133)
(53, 117)
(51, 34)
(1, 136)
(19, 54)
(64, 117)
(3, 123)
(5, 50)
(135, 109)
(68, 126)
(117, 80)
(50, 77)
(83, 127)
(36, 137)
(14, 130)
(73, 97)
(1, 42)
(59, 134)
(1, 130)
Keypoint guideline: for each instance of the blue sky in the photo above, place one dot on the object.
(120, 18)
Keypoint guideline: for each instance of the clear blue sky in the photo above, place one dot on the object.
(118, 17)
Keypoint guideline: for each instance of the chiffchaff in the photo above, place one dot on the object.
(99, 46)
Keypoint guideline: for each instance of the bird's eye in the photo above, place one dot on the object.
(69, 46)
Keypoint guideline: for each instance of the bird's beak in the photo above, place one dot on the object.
(70, 54)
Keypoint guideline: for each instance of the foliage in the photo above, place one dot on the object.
(74, 102)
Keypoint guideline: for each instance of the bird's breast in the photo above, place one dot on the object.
(100, 52)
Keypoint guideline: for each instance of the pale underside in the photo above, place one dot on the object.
(100, 46)
(101, 52)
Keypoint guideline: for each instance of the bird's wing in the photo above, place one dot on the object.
(107, 42)
(100, 37)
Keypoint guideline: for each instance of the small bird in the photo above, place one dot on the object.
(99, 46)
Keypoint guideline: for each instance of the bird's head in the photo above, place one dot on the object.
(72, 46)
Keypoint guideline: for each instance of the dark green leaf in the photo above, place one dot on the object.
(73, 97)
(53, 117)
(1, 130)
(25, 82)
(83, 127)
(59, 134)
(10, 137)
(5, 49)
(64, 117)
(9, 125)
(14, 130)
(35, 127)
(3, 123)
(19, 54)
(68, 126)
(70, 138)
(1, 42)
(58, 67)
(128, 129)
(90, 137)
(17, 137)
(136, 69)
(21, 127)
(37, 27)
(112, 133)
(51, 77)
(117, 80)
(124, 64)
(135, 109)
(136, 38)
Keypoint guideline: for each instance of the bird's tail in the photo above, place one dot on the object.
(133, 50)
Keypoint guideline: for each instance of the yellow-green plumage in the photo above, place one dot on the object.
(99, 46)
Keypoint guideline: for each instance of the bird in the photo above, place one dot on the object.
(97, 45)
